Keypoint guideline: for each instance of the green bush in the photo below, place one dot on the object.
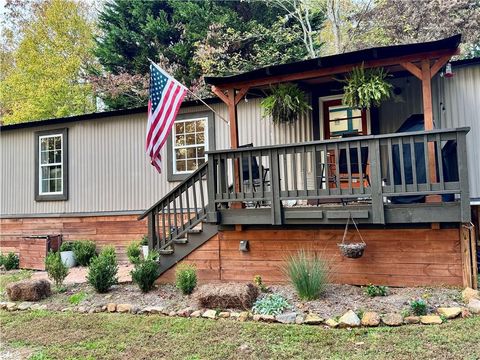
(77, 298)
(56, 269)
(9, 261)
(84, 251)
(257, 280)
(418, 307)
(66, 246)
(144, 241)
(134, 252)
(145, 273)
(376, 290)
(186, 278)
(308, 273)
(272, 304)
(102, 271)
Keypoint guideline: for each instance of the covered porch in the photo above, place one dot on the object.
(357, 165)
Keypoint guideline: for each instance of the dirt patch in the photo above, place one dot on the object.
(340, 298)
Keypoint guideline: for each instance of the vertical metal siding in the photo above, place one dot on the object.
(457, 103)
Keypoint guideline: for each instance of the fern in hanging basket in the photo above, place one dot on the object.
(365, 88)
(286, 104)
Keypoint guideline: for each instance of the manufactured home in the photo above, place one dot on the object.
(239, 193)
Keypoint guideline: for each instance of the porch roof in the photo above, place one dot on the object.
(279, 73)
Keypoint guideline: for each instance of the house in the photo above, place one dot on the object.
(244, 210)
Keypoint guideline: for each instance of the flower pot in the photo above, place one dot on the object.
(145, 251)
(68, 258)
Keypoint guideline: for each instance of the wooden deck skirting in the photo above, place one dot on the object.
(394, 257)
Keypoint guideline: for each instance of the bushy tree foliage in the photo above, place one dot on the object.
(47, 52)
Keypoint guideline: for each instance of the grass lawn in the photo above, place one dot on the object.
(55, 335)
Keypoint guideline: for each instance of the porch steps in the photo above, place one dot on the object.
(183, 246)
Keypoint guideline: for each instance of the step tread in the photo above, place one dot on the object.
(166, 252)
(180, 241)
(194, 231)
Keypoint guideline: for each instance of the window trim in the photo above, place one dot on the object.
(209, 142)
(52, 196)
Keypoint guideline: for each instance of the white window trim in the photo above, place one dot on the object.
(174, 147)
(40, 165)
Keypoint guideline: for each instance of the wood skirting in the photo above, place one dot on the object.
(118, 231)
(394, 257)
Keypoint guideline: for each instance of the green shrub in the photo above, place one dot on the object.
(84, 251)
(308, 273)
(145, 273)
(376, 290)
(272, 304)
(186, 278)
(56, 269)
(144, 241)
(418, 307)
(102, 271)
(66, 246)
(133, 252)
(257, 280)
(9, 261)
(77, 298)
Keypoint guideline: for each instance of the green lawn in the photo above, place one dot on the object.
(117, 336)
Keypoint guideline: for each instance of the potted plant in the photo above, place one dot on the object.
(144, 243)
(366, 88)
(67, 255)
(285, 104)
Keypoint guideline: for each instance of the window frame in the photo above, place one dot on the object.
(53, 196)
(209, 142)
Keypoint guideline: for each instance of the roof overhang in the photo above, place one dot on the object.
(386, 56)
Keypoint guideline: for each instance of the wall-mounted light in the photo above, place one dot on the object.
(243, 245)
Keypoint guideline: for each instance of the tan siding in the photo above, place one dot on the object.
(108, 170)
(460, 97)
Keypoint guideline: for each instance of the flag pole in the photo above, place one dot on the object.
(199, 99)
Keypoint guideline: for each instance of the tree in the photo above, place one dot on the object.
(48, 56)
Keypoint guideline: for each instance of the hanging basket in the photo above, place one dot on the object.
(352, 250)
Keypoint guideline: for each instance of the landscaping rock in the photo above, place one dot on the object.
(124, 308)
(370, 319)
(3, 305)
(286, 318)
(185, 312)
(256, 317)
(267, 318)
(244, 315)
(332, 323)
(312, 319)
(24, 305)
(349, 319)
(210, 314)
(430, 319)
(224, 315)
(392, 319)
(226, 296)
(411, 320)
(474, 306)
(156, 309)
(104, 308)
(11, 306)
(466, 313)
(234, 315)
(111, 307)
(172, 313)
(450, 312)
(469, 294)
(196, 314)
(299, 319)
(28, 290)
(82, 310)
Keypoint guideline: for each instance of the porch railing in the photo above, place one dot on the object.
(376, 169)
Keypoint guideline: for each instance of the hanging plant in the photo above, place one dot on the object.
(286, 103)
(366, 88)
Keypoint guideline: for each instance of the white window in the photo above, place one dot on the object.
(189, 144)
(51, 174)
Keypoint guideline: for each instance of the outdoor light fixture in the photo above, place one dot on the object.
(448, 71)
(243, 245)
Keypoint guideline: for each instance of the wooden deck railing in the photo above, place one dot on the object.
(177, 212)
(377, 169)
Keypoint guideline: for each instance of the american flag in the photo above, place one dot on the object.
(166, 96)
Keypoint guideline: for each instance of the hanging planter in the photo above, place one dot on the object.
(352, 250)
(365, 88)
(286, 103)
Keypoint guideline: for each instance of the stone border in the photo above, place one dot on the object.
(348, 320)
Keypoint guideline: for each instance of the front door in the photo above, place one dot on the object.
(341, 121)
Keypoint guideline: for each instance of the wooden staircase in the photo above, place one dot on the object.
(176, 223)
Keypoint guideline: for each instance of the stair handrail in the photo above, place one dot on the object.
(171, 192)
